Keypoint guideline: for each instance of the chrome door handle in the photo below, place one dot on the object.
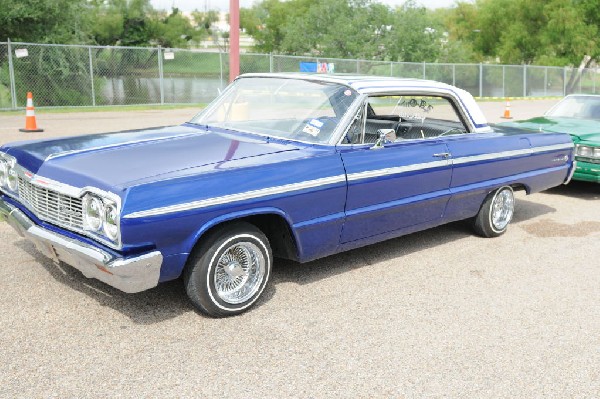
(442, 155)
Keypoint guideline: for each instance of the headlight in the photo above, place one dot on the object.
(111, 221)
(12, 180)
(3, 173)
(8, 175)
(101, 216)
(584, 151)
(93, 211)
(587, 151)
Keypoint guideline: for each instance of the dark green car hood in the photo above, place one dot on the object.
(582, 130)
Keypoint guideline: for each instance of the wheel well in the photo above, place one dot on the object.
(519, 187)
(275, 227)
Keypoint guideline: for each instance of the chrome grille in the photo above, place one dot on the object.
(588, 160)
(51, 206)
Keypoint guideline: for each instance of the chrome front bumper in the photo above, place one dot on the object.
(126, 274)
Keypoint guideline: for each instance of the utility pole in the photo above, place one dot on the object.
(234, 39)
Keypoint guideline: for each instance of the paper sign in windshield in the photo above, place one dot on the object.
(313, 127)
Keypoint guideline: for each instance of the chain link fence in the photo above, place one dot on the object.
(77, 76)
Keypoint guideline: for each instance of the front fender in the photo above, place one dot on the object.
(227, 217)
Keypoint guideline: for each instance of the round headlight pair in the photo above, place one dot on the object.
(100, 217)
(584, 151)
(8, 176)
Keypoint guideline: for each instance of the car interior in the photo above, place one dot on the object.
(427, 123)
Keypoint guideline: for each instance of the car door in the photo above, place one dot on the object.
(403, 184)
(480, 162)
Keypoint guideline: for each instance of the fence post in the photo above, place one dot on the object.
(564, 81)
(357, 66)
(11, 73)
(546, 81)
(424, 72)
(161, 76)
(453, 74)
(524, 80)
(92, 77)
(504, 81)
(391, 68)
(271, 62)
(480, 79)
(221, 66)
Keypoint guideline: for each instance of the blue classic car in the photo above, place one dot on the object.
(279, 166)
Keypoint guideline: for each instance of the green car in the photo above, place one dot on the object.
(578, 115)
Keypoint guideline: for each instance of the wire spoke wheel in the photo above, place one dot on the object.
(502, 209)
(229, 270)
(495, 213)
(239, 272)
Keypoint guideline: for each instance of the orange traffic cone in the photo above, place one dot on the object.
(507, 110)
(30, 124)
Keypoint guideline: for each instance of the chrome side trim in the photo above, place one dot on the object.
(334, 179)
(564, 146)
(508, 154)
(396, 170)
(239, 197)
(496, 155)
(126, 274)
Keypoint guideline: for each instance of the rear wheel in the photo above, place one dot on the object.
(229, 270)
(495, 213)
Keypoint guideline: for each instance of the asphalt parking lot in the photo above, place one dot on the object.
(440, 313)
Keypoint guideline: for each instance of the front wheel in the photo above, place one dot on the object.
(229, 270)
(495, 213)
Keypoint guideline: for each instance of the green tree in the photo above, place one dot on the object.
(174, 30)
(123, 22)
(267, 21)
(416, 35)
(348, 29)
(44, 21)
(550, 32)
(338, 28)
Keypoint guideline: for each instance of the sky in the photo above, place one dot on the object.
(223, 5)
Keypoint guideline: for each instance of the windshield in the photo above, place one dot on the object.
(287, 108)
(582, 107)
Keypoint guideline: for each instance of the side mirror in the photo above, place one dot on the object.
(386, 136)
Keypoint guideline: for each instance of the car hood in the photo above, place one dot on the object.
(580, 129)
(118, 160)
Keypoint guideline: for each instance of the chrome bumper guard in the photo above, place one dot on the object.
(126, 274)
(571, 172)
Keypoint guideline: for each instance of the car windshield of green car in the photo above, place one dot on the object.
(581, 107)
(295, 109)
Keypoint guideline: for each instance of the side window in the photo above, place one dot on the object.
(413, 117)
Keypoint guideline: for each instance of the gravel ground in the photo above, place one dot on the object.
(440, 313)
